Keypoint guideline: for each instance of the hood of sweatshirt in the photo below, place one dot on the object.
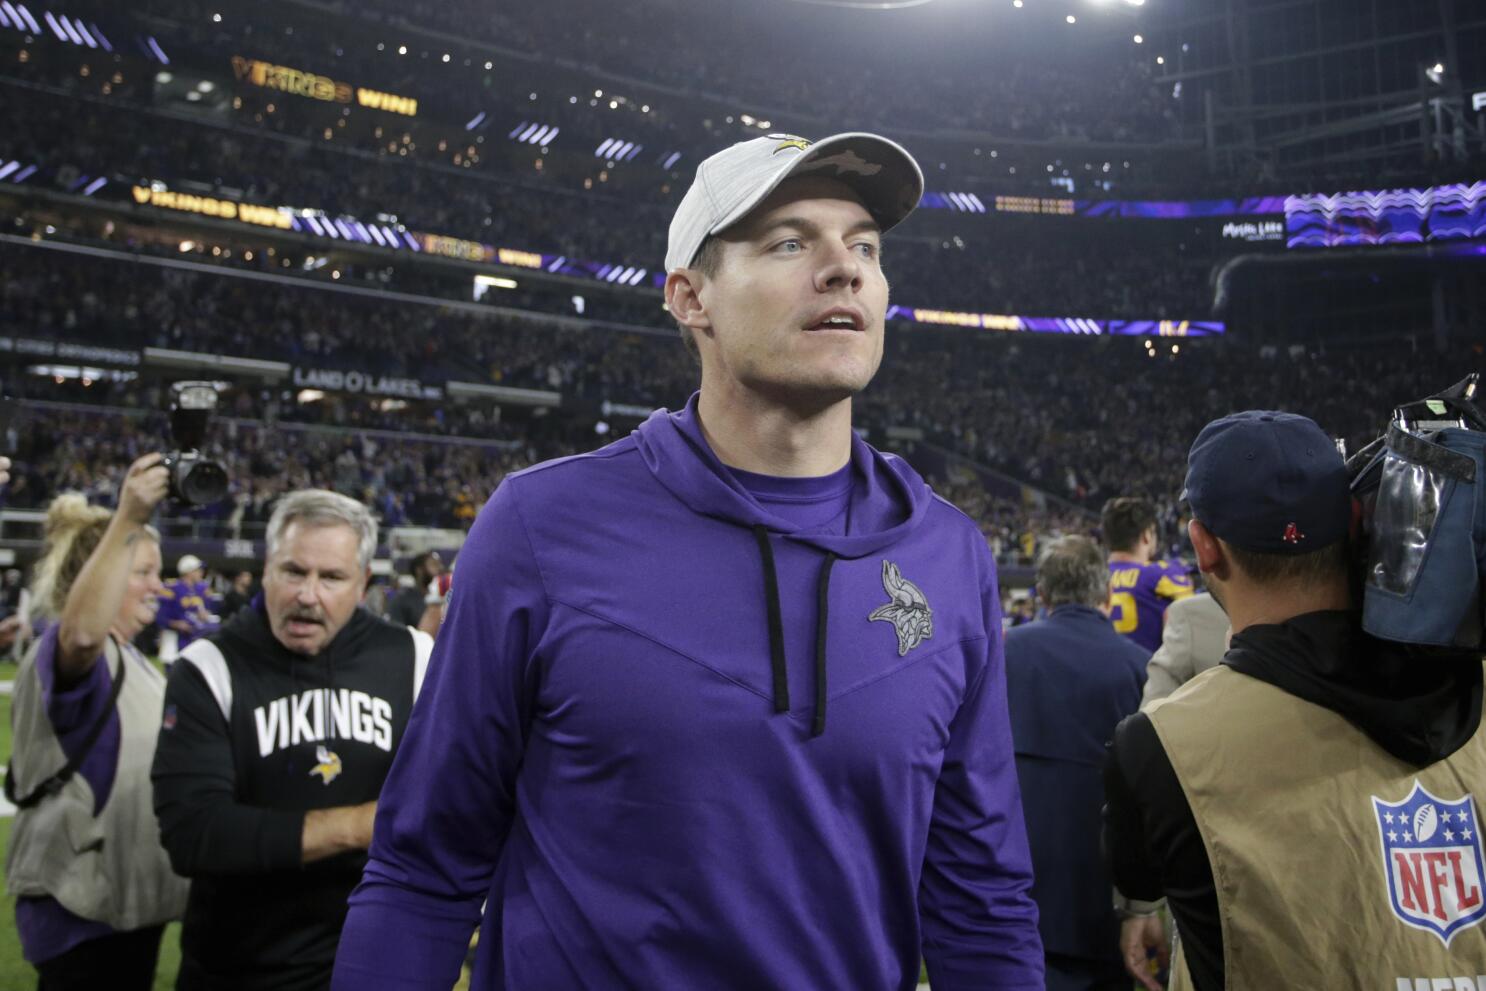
(888, 501)
(250, 625)
(1420, 707)
(888, 498)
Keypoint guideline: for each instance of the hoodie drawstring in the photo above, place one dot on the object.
(776, 625)
(776, 631)
(822, 602)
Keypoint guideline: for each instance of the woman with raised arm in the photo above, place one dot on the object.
(92, 884)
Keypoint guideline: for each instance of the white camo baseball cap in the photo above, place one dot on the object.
(188, 562)
(731, 183)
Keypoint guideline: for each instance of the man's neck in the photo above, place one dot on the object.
(749, 432)
(1127, 557)
(1270, 607)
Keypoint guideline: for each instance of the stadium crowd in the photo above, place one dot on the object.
(404, 480)
(1085, 419)
(986, 267)
(1082, 419)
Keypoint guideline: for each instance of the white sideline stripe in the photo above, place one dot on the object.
(7, 811)
(7, 687)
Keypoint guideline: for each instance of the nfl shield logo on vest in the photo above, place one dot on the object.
(1432, 859)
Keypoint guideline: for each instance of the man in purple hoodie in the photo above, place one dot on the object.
(723, 704)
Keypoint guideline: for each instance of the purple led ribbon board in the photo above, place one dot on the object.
(1179, 209)
(1057, 325)
(1389, 216)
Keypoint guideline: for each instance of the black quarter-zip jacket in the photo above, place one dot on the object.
(254, 736)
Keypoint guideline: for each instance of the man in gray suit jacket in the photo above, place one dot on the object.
(1195, 638)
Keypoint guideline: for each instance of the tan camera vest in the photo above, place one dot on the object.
(109, 867)
(1295, 806)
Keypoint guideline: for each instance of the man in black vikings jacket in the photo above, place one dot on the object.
(277, 733)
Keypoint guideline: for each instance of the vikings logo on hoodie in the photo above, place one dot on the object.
(909, 611)
(328, 764)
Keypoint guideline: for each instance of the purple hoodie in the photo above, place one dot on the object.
(623, 751)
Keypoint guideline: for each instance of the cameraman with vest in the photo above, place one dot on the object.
(1307, 805)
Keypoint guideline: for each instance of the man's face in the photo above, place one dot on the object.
(796, 308)
(311, 585)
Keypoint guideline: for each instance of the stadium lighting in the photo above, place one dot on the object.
(216, 18)
(446, 56)
(1436, 73)
(1160, 59)
(402, 49)
(206, 86)
(1139, 39)
(163, 78)
(1017, 4)
(1071, 19)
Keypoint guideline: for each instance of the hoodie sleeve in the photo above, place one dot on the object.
(975, 905)
(203, 827)
(447, 805)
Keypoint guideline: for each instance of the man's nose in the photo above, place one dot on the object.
(842, 267)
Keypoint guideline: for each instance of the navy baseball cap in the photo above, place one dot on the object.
(1269, 482)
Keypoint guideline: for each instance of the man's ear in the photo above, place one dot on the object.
(684, 300)
(1210, 557)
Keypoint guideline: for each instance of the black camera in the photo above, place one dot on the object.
(194, 478)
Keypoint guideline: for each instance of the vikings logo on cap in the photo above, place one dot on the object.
(1432, 859)
(790, 141)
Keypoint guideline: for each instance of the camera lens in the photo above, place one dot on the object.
(202, 483)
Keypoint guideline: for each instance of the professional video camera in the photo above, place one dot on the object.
(1422, 486)
(194, 478)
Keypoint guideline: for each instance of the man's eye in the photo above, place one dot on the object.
(867, 249)
(792, 246)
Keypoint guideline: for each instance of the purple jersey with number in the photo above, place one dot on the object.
(1139, 595)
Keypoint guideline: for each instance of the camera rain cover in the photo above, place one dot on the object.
(1424, 497)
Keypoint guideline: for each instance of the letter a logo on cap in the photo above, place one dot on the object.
(1292, 534)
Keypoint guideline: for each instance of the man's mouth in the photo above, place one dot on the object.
(839, 319)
